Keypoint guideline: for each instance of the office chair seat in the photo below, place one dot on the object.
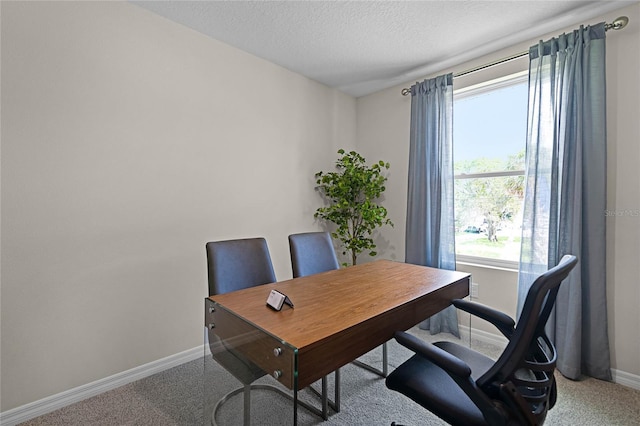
(464, 387)
(423, 381)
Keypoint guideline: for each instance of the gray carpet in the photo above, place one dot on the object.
(177, 397)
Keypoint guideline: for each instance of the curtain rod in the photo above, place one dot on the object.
(617, 24)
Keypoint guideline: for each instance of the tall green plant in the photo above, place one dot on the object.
(351, 193)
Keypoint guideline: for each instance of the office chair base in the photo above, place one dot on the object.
(323, 413)
(385, 365)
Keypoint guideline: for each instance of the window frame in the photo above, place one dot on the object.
(473, 90)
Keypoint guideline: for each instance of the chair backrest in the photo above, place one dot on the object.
(522, 377)
(237, 264)
(312, 253)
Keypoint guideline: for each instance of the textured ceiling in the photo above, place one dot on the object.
(360, 47)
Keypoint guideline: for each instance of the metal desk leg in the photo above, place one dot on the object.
(295, 406)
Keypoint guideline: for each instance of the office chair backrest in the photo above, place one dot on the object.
(523, 375)
(237, 264)
(312, 253)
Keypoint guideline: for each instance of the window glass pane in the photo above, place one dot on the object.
(489, 136)
(490, 129)
(489, 216)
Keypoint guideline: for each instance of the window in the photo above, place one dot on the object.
(489, 135)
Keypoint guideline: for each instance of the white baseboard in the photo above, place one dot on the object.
(626, 379)
(71, 396)
(620, 377)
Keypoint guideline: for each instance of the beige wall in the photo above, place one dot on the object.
(128, 141)
(383, 133)
(497, 288)
(623, 185)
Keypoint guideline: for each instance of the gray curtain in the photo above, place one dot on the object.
(565, 194)
(430, 233)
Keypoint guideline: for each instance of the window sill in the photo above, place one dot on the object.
(483, 262)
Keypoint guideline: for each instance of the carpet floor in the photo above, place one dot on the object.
(185, 395)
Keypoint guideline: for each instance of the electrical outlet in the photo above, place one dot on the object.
(474, 290)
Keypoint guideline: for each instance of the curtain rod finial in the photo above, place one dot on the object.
(618, 23)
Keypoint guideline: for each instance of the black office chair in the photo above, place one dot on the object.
(313, 253)
(464, 387)
(234, 265)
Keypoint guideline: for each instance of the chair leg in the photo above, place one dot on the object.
(246, 390)
(380, 372)
(336, 391)
(247, 405)
(385, 359)
(323, 394)
(325, 399)
(295, 407)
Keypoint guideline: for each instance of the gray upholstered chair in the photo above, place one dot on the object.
(234, 265)
(313, 253)
(237, 264)
(464, 387)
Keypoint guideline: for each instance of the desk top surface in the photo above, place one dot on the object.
(328, 303)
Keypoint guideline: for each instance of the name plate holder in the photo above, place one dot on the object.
(276, 300)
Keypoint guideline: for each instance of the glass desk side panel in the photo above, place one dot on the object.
(245, 350)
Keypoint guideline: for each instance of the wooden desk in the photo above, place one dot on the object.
(337, 316)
